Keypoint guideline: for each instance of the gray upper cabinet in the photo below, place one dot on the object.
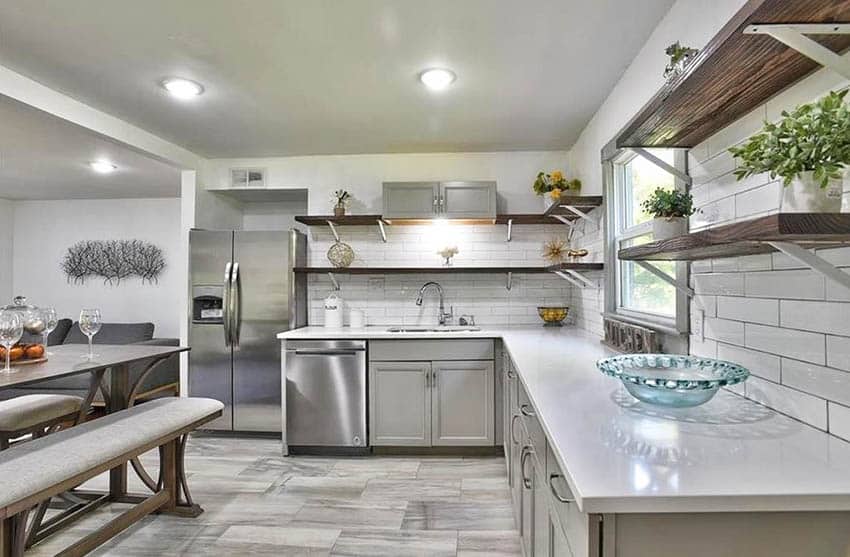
(425, 200)
(462, 403)
(411, 200)
(468, 200)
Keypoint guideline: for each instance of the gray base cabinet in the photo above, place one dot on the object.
(399, 403)
(447, 401)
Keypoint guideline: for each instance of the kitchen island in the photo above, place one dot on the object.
(639, 480)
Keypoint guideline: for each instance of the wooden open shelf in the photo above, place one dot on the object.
(581, 202)
(575, 267)
(732, 75)
(346, 220)
(747, 238)
(417, 270)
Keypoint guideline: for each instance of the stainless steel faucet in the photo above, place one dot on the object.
(443, 316)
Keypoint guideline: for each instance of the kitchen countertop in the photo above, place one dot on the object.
(623, 456)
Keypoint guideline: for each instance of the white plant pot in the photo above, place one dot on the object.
(547, 202)
(666, 228)
(804, 195)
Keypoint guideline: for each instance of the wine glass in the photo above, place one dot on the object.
(11, 330)
(90, 323)
(48, 315)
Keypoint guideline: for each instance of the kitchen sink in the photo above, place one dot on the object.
(443, 329)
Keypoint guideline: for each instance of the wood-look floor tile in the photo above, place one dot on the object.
(408, 490)
(324, 487)
(395, 543)
(335, 514)
(462, 468)
(451, 515)
(312, 538)
(488, 543)
(376, 467)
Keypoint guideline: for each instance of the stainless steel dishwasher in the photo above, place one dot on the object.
(325, 393)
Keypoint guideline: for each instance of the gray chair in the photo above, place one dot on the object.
(164, 380)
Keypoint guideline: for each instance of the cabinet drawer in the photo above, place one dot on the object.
(575, 524)
(531, 423)
(431, 349)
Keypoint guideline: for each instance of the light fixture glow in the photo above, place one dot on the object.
(103, 167)
(183, 89)
(437, 79)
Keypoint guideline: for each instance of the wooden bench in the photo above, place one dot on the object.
(35, 471)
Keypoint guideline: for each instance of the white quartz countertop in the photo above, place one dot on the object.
(620, 455)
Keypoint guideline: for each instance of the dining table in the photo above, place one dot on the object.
(119, 392)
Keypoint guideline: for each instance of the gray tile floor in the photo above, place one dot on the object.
(259, 503)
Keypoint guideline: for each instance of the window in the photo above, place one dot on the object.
(636, 292)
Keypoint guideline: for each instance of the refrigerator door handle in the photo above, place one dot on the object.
(235, 309)
(225, 303)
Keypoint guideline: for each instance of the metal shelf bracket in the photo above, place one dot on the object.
(678, 285)
(333, 281)
(575, 278)
(662, 165)
(382, 230)
(794, 36)
(579, 213)
(509, 282)
(814, 262)
(510, 226)
(333, 230)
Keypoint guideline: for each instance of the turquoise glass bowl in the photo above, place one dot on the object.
(670, 379)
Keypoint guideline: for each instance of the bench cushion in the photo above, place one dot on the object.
(30, 468)
(26, 411)
(112, 333)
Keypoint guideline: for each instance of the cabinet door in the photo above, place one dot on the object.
(507, 384)
(412, 200)
(526, 501)
(558, 546)
(400, 403)
(462, 407)
(541, 509)
(468, 199)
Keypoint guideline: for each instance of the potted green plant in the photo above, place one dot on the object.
(670, 210)
(551, 185)
(341, 200)
(809, 149)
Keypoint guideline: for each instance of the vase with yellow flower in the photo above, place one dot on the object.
(552, 185)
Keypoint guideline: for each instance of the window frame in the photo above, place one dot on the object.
(617, 232)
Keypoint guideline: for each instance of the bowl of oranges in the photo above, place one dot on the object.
(552, 316)
(25, 353)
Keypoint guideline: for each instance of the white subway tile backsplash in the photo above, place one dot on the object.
(800, 345)
(817, 380)
(839, 420)
(731, 284)
(758, 199)
(724, 330)
(760, 262)
(837, 292)
(753, 310)
(838, 352)
(761, 364)
(822, 317)
(785, 284)
(802, 406)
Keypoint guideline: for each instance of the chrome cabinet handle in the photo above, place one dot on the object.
(427, 379)
(436, 202)
(434, 379)
(554, 490)
(236, 310)
(510, 373)
(513, 422)
(526, 451)
(527, 411)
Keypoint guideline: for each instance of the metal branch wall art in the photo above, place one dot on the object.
(113, 260)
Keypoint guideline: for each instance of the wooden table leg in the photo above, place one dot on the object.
(119, 386)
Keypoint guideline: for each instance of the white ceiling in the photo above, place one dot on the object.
(44, 157)
(286, 77)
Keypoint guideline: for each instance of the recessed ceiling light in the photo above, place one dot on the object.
(182, 89)
(103, 167)
(437, 79)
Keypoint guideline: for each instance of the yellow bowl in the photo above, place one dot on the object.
(552, 315)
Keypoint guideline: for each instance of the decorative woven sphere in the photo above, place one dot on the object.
(340, 255)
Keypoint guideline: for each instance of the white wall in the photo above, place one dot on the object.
(6, 239)
(693, 23)
(362, 175)
(43, 231)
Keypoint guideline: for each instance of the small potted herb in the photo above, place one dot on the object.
(670, 210)
(550, 186)
(341, 200)
(809, 149)
(680, 56)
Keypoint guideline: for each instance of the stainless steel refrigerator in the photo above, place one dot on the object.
(244, 292)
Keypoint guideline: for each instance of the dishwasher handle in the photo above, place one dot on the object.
(323, 352)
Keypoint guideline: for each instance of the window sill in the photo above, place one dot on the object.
(648, 323)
